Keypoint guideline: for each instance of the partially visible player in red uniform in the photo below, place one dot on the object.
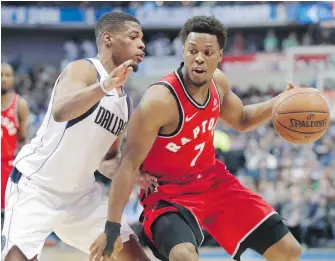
(14, 118)
(171, 133)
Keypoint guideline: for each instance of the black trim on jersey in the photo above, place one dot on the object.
(217, 90)
(17, 110)
(180, 77)
(180, 110)
(128, 101)
(74, 121)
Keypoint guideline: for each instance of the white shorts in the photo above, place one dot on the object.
(33, 212)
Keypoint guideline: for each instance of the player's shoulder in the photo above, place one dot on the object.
(221, 81)
(159, 100)
(81, 63)
(159, 92)
(82, 68)
(23, 104)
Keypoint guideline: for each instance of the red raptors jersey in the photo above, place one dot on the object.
(189, 150)
(9, 129)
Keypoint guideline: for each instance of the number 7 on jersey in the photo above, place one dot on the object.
(200, 147)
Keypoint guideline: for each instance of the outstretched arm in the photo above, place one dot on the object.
(238, 116)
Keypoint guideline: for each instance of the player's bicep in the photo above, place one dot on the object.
(232, 111)
(23, 118)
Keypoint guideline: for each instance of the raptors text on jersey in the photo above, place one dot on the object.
(189, 149)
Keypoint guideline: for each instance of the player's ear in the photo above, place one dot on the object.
(107, 38)
(221, 53)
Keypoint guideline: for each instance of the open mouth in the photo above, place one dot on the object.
(199, 70)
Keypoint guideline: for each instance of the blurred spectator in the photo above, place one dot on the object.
(290, 41)
(294, 210)
(177, 46)
(160, 45)
(238, 45)
(88, 49)
(71, 50)
(307, 39)
(271, 42)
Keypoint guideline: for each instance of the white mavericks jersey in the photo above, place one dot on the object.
(64, 155)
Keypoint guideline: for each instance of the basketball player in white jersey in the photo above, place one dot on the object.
(52, 186)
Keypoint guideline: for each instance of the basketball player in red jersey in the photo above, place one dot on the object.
(14, 118)
(171, 133)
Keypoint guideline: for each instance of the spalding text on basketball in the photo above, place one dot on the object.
(298, 123)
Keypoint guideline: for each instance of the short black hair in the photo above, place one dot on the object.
(207, 25)
(113, 21)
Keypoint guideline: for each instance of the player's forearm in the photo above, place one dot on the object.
(257, 114)
(122, 185)
(77, 103)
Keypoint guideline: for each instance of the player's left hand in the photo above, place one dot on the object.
(146, 181)
(97, 249)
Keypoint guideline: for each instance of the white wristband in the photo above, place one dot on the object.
(103, 88)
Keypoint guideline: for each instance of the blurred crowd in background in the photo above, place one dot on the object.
(299, 181)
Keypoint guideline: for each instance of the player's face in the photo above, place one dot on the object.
(128, 44)
(7, 78)
(201, 55)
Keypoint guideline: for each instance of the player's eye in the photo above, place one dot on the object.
(192, 51)
(208, 53)
(133, 37)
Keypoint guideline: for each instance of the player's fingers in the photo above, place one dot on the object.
(290, 85)
(129, 70)
(99, 256)
(122, 67)
(153, 179)
(118, 71)
(92, 247)
(107, 258)
(114, 255)
(126, 64)
(115, 80)
(93, 253)
(140, 176)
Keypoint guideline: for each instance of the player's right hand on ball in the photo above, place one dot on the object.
(99, 249)
(118, 76)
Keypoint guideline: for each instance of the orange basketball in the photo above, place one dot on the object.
(301, 115)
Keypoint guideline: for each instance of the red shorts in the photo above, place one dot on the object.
(221, 205)
(6, 168)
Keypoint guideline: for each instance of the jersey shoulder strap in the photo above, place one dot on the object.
(102, 73)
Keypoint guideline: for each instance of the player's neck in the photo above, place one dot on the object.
(195, 90)
(106, 60)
